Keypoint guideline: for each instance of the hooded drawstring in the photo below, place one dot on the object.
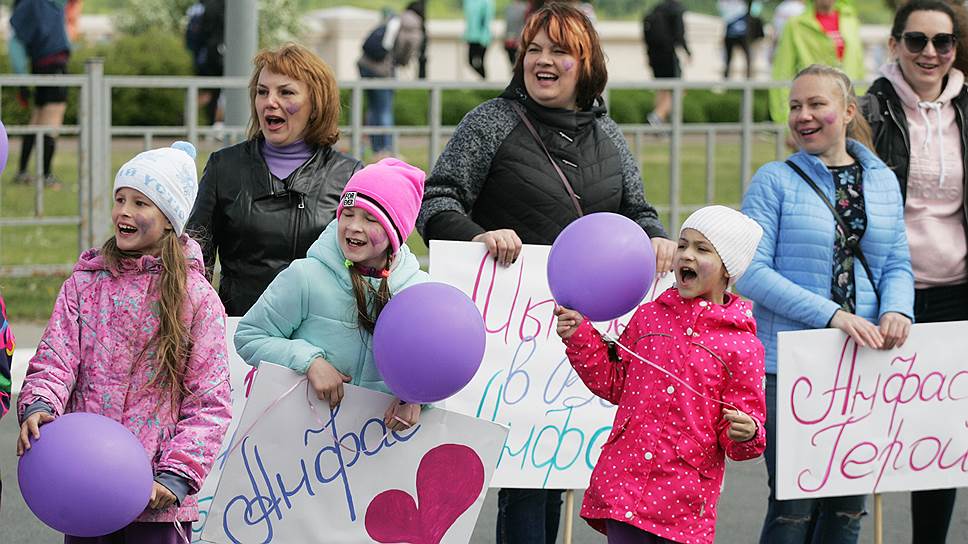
(923, 106)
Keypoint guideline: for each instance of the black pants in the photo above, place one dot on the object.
(475, 57)
(729, 44)
(931, 509)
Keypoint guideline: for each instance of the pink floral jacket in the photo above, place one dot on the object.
(88, 361)
(661, 468)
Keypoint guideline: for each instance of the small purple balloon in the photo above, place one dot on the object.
(429, 342)
(601, 265)
(86, 476)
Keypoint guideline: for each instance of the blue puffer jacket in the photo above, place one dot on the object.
(789, 278)
(309, 311)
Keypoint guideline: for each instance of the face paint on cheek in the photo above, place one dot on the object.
(830, 118)
(568, 65)
(377, 235)
(291, 109)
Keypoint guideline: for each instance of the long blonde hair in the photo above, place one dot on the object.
(857, 128)
(172, 341)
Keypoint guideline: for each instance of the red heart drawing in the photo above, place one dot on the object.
(449, 480)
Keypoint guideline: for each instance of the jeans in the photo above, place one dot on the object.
(829, 520)
(623, 533)
(379, 113)
(528, 516)
(931, 509)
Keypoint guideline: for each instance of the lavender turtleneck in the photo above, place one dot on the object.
(283, 161)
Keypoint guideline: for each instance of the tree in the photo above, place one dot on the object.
(279, 20)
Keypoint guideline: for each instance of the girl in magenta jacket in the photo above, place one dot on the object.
(698, 399)
(138, 335)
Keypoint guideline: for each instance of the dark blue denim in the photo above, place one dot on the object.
(528, 516)
(829, 520)
(379, 113)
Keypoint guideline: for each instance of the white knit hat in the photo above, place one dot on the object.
(168, 177)
(733, 235)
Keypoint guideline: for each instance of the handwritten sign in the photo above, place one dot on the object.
(856, 421)
(557, 425)
(304, 470)
(241, 376)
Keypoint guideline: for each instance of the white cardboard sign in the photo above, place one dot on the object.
(303, 474)
(557, 425)
(857, 421)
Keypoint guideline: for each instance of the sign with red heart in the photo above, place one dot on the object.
(300, 470)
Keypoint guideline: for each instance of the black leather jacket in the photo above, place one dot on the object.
(256, 223)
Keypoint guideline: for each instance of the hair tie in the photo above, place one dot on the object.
(348, 263)
(385, 273)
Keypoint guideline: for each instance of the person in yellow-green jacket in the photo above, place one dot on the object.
(828, 32)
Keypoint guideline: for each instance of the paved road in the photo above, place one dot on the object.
(741, 507)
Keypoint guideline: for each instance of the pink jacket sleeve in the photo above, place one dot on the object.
(205, 413)
(602, 372)
(52, 371)
(745, 390)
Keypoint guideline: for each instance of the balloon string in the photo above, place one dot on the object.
(667, 373)
(312, 407)
(181, 533)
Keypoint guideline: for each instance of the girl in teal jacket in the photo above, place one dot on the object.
(317, 317)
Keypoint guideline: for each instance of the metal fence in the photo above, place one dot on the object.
(95, 133)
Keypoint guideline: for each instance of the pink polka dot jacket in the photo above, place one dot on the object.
(661, 468)
(89, 360)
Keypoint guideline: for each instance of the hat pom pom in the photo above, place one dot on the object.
(187, 147)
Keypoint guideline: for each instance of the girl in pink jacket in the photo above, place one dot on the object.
(691, 394)
(138, 335)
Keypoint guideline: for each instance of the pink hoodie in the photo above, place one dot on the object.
(87, 361)
(933, 214)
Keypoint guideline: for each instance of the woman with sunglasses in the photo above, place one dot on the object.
(917, 112)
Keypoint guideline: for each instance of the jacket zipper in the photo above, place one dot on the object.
(295, 230)
(964, 152)
(902, 128)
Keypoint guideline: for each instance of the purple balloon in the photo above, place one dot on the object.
(601, 265)
(86, 475)
(4, 147)
(429, 342)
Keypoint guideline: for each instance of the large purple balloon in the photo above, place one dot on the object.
(601, 265)
(429, 342)
(86, 476)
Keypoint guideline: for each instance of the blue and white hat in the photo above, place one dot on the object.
(168, 176)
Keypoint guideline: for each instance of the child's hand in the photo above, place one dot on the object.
(400, 415)
(161, 497)
(741, 426)
(31, 428)
(568, 321)
(327, 381)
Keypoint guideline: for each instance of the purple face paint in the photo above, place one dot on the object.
(830, 118)
(568, 65)
(377, 235)
(291, 109)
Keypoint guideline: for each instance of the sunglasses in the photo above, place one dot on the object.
(915, 42)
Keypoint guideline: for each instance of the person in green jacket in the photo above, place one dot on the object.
(828, 32)
(317, 317)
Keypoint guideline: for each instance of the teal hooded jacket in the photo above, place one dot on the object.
(309, 311)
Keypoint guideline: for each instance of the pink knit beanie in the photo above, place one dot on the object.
(391, 191)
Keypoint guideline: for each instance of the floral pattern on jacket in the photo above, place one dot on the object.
(661, 468)
(88, 360)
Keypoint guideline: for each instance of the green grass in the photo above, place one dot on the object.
(32, 298)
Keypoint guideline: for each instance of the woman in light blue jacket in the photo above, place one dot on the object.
(807, 274)
(317, 317)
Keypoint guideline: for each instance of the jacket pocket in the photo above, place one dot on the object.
(618, 428)
(703, 460)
